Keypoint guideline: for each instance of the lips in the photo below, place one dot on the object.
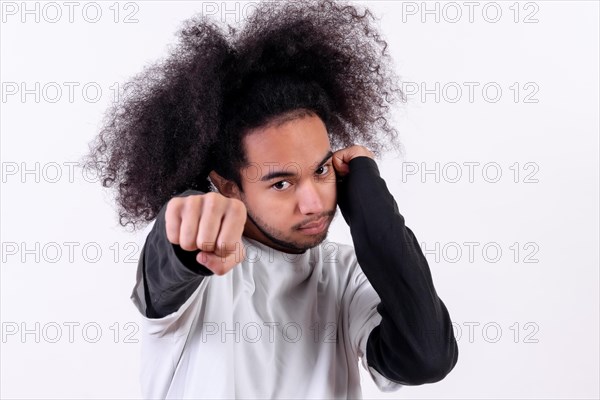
(314, 224)
(314, 227)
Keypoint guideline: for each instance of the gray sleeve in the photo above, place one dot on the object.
(170, 274)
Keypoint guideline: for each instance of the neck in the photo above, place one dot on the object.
(253, 231)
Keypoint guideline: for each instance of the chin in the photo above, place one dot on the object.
(294, 241)
(315, 240)
(301, 244)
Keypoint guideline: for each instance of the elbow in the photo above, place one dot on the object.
(434, 367)
(428, 367)
(432, 372)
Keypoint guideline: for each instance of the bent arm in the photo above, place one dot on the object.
(414, 343)
(170, 273)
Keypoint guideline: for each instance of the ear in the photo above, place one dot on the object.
(226, 187)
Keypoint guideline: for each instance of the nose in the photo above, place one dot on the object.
(309, 198)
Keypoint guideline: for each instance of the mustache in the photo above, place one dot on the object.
(313, 219)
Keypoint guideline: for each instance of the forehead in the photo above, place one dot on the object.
(303, 141)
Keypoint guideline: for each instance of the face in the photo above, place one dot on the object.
(289, 185)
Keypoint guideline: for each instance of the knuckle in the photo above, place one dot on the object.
(187, 244)
(191, 202)
(174, 202)
(172, 231)
(173, 208)
(187, 241)
(238, 208)
(211, 197)
(209, 207)
(172, 236)
(211, 203)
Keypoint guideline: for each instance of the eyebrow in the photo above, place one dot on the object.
(287, 174)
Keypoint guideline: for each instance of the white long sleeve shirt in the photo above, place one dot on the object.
(276, 326)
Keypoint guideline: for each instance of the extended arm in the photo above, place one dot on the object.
(414, 343)
(170, 273)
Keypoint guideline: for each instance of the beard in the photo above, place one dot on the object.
(286, 241)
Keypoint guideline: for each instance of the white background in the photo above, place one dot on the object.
(526, 319)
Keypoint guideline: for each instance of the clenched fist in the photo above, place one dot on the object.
(342, 158)
(211, 223)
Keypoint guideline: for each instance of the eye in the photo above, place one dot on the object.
(322, 170)
(281, 185)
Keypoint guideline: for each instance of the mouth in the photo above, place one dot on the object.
(315, 227)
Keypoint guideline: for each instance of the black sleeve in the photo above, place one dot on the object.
(170, 273)
(414, 343)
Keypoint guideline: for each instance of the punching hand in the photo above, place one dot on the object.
(211, 223)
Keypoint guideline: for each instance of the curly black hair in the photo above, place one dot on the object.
(186, 115)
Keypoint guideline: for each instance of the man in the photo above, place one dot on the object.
(240, 293)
